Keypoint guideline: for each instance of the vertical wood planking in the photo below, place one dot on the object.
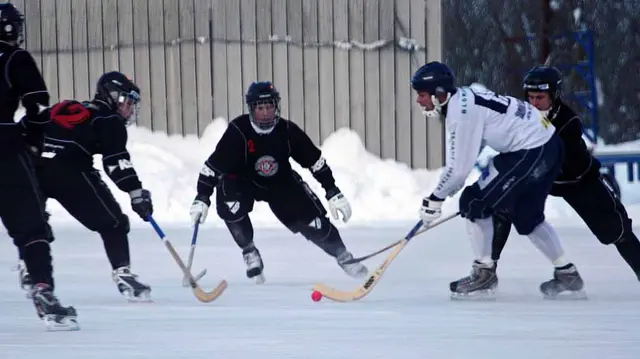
(157, 94)
(248, 48)
(141, 59)
(110, 40)
(387, 82)
(172, 66)
(418, 121)
(263, 32)
(325, 69)
(80, 52)
(65, 48)
(295, 69)
(280, 54)
(372, 78)
(234, 60)
(341, 64)
(203, 63)
(219, 59)
(356, 69)
(310, 70)
(33, 34)
(95, 44)
(188, 68)
(435, 129)
(125, 38)
(404, 95)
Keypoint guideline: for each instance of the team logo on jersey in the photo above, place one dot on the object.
(266, 166)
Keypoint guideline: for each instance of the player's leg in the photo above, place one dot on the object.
(22, 213)
(234, 201)
(501, 231)
(88, 199)
(596, 203)
(528, 219)
(300, 210)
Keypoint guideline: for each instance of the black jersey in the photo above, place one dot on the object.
(578, 161)
(20, 81)
(78, 131)
(263, 158)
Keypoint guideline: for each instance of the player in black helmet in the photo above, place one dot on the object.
(21, 203)
(78, 131)
(251, 163)
(580, 183)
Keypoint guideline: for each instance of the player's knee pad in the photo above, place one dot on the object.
(316, 231)
(233, 199)
(42, 232)
(471, 204)
(119, 224)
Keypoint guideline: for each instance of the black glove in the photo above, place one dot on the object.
(141, 203)
(33, 138)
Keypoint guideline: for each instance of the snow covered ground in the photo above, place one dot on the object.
(409, 315)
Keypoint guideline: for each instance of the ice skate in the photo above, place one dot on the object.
(129, 286)
(24, 278)
(254, 264)
(565, 279)
(53, 314)
(355, 270)
(479, 285)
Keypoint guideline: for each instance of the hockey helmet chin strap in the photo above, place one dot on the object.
(437, 106)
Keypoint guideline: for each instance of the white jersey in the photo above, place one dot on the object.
(478, 118)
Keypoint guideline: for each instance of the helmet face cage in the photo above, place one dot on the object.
(263, 93)
(11, 24)
(120, 94)
(543, 79)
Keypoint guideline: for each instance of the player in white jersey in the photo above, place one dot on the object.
(519, 177)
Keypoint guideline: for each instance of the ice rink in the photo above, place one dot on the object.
(409, 314)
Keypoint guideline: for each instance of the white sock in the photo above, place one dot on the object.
(546, 239)
(481, 236)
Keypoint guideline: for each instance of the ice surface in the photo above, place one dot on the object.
(408, 315)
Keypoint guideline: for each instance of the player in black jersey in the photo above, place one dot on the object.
(78, 131)
(251, 163)
(21, 202)
(580, 182)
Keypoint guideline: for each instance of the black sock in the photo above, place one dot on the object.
(629, 249)
(242, 232)
(116, 245)
(37, 259)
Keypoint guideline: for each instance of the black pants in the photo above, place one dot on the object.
(88, 199)
(23, 214)
(292, 201)
(595, 201)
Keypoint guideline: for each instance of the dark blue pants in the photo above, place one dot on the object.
(518, 184)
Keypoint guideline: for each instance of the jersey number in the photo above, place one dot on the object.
(493, 102)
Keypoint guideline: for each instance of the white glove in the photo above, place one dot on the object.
(338, 203)
(430, 210)
(198, 211)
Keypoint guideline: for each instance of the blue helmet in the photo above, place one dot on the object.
(434, 78)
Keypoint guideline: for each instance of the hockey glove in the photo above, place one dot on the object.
(141, 203)
(431, 209)
(199, 209)
(338, 203)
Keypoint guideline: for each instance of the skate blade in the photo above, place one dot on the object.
(55, 323)
(477, 296)
(258, 279)
(566, 295)
(187, 283)
(144, 297)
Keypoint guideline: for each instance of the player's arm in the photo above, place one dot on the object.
(227, 158)
(464, 145)
(116, 160)
(26, 78)
(229, 154)
(309, 156)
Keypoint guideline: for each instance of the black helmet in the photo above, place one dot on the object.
(543, 79)
(11, 23)
(434, 77)
(260, 93)
(120, 93)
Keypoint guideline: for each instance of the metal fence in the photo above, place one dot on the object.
(336, 63)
